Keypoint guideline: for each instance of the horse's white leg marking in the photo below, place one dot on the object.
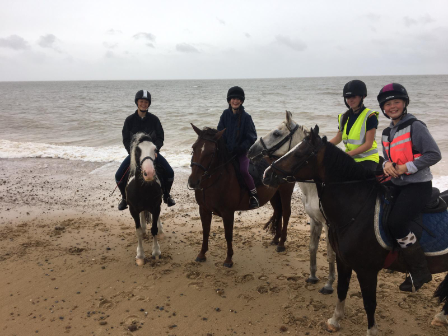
(156, 247)
(440, 319)
(315, 231)
(333, 323)
(143, 220)
(160, 226)
(140, 252)
(331, 258)
(372, 331)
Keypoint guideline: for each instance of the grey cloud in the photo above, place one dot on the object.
(14, 42)
(146, 36)
(48, 41)
(297, 45)
(109, 54)
(247, 35)
(150, 45)
(373, 17)
(408, 22)
(187, 48)
(221, 21)
(114, 32)
(110, 45)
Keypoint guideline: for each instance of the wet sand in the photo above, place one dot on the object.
(67, 263)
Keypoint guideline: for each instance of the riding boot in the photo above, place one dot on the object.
(417, 266)
(166, 194)
(253, 200)
(122, 205)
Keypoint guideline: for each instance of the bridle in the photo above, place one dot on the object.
(290, 176)
(269, 151)
(208, 172)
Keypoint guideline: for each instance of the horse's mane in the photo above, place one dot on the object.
(136, 140)
(222, 153)
(339, 166)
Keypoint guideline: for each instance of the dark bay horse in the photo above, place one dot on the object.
(144, 193)
(217, 189)
(274, 145)
(348, 193)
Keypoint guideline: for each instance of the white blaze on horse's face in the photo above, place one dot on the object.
(148, 170)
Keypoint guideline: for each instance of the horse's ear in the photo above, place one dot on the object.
(314, 134)
(197, 130)
(219, 134)
(289, 120)
(316, 129)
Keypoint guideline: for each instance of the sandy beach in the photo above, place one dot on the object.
(67, 263)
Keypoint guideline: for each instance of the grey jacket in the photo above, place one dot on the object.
(422, 142)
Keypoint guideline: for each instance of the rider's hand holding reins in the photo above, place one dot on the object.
(394, 170)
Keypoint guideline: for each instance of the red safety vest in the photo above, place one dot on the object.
(399, 150)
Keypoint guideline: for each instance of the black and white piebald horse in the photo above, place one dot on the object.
(144, 193)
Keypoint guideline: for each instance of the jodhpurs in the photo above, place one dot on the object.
(244, 170)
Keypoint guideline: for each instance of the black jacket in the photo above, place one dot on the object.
(242, 141)
(150, 125)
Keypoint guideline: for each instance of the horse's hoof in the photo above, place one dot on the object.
(156, 257)
(281, 248)
(312, 280)
(229, 265)
(140, 262)
(331, 328)
(326, 291)
(200, 259)
(440, 320)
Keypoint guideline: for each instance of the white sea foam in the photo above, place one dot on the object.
(14, 150)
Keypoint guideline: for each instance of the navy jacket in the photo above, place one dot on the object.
(150, 125)
(247, 135)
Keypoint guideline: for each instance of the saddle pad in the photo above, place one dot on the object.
(437, 223)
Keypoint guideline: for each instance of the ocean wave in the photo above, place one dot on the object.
(14, 150)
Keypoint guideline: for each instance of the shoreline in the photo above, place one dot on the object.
(68, 267)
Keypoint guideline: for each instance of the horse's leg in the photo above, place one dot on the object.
(140, 257)
(368, 282)
(206, 220)
(276, 220)
(331, 258)
(143, 220)
(155, 232)
(160, 226)
(285, 194)
(344, 275)
(228, 219)
(315, 232)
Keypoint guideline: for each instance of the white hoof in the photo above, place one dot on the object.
(333, 326)
(440, 320)
(372, 331)
(140, 262)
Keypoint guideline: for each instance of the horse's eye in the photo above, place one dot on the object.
(277, 133)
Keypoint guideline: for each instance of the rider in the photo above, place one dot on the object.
(357, 126)
(409, 150)
(144, 121)
(239, 136)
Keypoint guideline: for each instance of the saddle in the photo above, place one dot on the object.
(431, 227)
(256, 170)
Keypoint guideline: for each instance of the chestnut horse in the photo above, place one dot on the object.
(349, 195)
(218, 191)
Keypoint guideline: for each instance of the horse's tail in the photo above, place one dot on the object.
(442, 293)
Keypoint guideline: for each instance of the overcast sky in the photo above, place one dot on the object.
(167, 39)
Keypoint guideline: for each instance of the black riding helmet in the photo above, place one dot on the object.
(355, 87)
(143, 94)
(393, 91)
(235, 92)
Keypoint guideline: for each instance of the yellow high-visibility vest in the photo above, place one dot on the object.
(357, 136)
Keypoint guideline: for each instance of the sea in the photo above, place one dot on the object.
(82, 120)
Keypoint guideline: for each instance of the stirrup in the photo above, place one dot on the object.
(122, 205)
(253, 203)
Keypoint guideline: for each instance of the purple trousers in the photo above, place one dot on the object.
(244, 170)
